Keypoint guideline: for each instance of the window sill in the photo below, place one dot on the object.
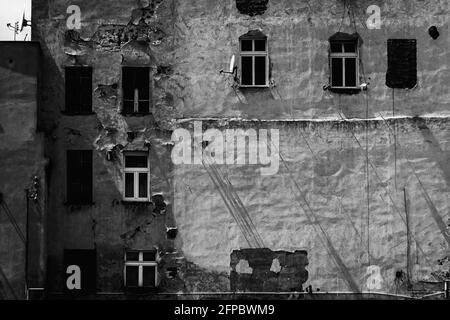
(136, 114)
(253, 87)
(67, 113)
(140, 290)
(136, 202)
(345, 90)
(87, 204)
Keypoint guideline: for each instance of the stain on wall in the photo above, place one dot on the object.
(257, 270)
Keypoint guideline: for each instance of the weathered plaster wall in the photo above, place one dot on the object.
(334, 225)
(21, 158)
(186, 43)
(298, 33)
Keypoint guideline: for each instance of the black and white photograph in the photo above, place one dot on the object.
(228, 156)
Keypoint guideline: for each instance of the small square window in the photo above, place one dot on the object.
(136, 90)
(402, 63)
(136, 176)
(141, 269)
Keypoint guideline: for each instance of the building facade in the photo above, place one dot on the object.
(317, 158)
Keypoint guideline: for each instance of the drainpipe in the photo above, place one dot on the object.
(26, 245)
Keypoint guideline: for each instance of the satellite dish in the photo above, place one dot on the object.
(232, 64)
(24, 23)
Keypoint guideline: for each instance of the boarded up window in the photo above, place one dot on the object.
(402, 63)
(78, 90)
(79, 176)
(136, 89)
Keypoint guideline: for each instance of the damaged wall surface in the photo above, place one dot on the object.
(317, 202)
(260, 270)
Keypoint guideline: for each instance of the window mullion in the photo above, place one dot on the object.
(343, 73)
(136, 184)
(253, 70)
(140, 276)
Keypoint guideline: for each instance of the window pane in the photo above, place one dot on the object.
(132, 274)
(143, 185)
(128, 106)
(260, 70)
(260, 45)
(129, 185)
(336, 72)
(350, 72)
(132, 256)
(349, 47)
(246, 45)
(128, 83)
(149, 276)
(143, 106)
(136, 162)
(247, 71)
(143, 82)
(86, 95)
(149, 255)
(336, 47)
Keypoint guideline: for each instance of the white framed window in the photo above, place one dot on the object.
(136, 176)
(141, 269)
(344, 64)
(254, 60)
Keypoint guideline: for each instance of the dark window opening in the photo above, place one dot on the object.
(136, 90)
(78, 90)
(141, 269)
(79, 176)
(344, 64)
(254, 59)
(402, 63)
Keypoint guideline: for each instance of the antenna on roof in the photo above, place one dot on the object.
(24, 23)
(18, 26)
(14, 28)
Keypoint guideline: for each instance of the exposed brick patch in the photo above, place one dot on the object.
(252, 7)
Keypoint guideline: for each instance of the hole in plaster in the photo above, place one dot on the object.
(171, 233)
(433, 32)
(171, 272)
(160, 205)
